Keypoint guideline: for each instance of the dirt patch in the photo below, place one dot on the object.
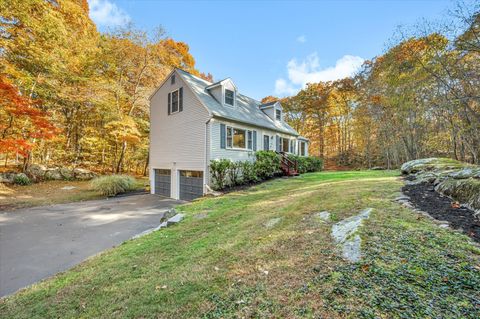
(424, 197)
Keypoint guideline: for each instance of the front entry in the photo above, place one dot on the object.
(191, 184)
(163, 180)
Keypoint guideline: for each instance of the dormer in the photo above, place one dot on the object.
(225, 92)
(273, 110)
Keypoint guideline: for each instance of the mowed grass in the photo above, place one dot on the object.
(223, 262)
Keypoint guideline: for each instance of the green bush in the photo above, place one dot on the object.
(307, 164)
(112, 185)
(21, 179)
(249, 173)
(234, 173)
(219, 170)
(267, 164)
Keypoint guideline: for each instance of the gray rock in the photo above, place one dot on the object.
(325, 216)
(175, 219)
(345, 228)
(66, 173)
(53, 174)
(83, 174)
(7, 177)
(272, 222)
(67, 188)
(344, 234)
(351, 249)
(36, 172)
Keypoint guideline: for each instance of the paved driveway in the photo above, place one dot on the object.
(36, 243)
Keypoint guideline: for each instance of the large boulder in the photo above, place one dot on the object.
(7, 177)
(83, 174)
(53, 174)
(432, 164)
(466, 191)
(36, 172)
(66, 173)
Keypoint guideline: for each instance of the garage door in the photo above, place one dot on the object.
(191, 184)
(163, 182)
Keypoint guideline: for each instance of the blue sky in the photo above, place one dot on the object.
(273, 48)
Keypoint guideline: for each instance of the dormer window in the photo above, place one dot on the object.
(229, 97)
(278, 115)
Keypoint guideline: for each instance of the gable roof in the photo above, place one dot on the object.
(247, 110)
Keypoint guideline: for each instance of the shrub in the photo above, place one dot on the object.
(219, 170)
(112, 185)
(21, 179)
(267, 164)
(234, 172)
(307, 163)
(249, 172)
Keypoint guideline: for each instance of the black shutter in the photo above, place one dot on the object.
(255, 141)
(169, 102)
(278, 143)
(180, 97)
(222, 136)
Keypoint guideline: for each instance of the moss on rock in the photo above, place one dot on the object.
(466, 191)
(432, 164)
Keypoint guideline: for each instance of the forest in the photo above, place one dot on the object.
(74, 96)
(420, 98)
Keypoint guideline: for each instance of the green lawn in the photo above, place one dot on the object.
(229, 264)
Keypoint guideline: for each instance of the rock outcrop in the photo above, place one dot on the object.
(457, 180)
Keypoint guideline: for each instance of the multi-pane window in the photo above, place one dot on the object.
(229, 97)
(175, 101)
(239, 138)
(278, 114)
(302, 148)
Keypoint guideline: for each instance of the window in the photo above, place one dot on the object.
(285, 143)
(278, 114)
(172, 79)
(239, 138)
(175, 101)
(229, 97)
(292, 146)
(266, 143)
(302, 148)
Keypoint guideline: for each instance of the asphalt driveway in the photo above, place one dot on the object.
(39, 242)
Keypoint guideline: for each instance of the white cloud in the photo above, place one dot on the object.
(302, 39)
(106, 13)
(309, 71)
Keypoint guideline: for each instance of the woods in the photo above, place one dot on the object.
(420, 98)
(74, 96)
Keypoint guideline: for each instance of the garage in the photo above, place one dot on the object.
(163, 180)
(191, 184)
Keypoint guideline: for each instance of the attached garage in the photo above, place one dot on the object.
(191, 184)
(163, 182)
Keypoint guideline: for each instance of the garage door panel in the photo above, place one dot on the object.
(191, 184)
(163, 180)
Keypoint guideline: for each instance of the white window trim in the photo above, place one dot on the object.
(281, 115)
(227, 127)
(178, 101)
(234, 97)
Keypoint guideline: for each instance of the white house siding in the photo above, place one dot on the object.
(216, 152)
(177, 141)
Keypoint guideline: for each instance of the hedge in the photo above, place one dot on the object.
(226, 173)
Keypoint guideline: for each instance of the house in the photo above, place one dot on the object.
(193, 121)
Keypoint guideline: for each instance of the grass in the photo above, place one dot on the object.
(230, 265)
(48, 193)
